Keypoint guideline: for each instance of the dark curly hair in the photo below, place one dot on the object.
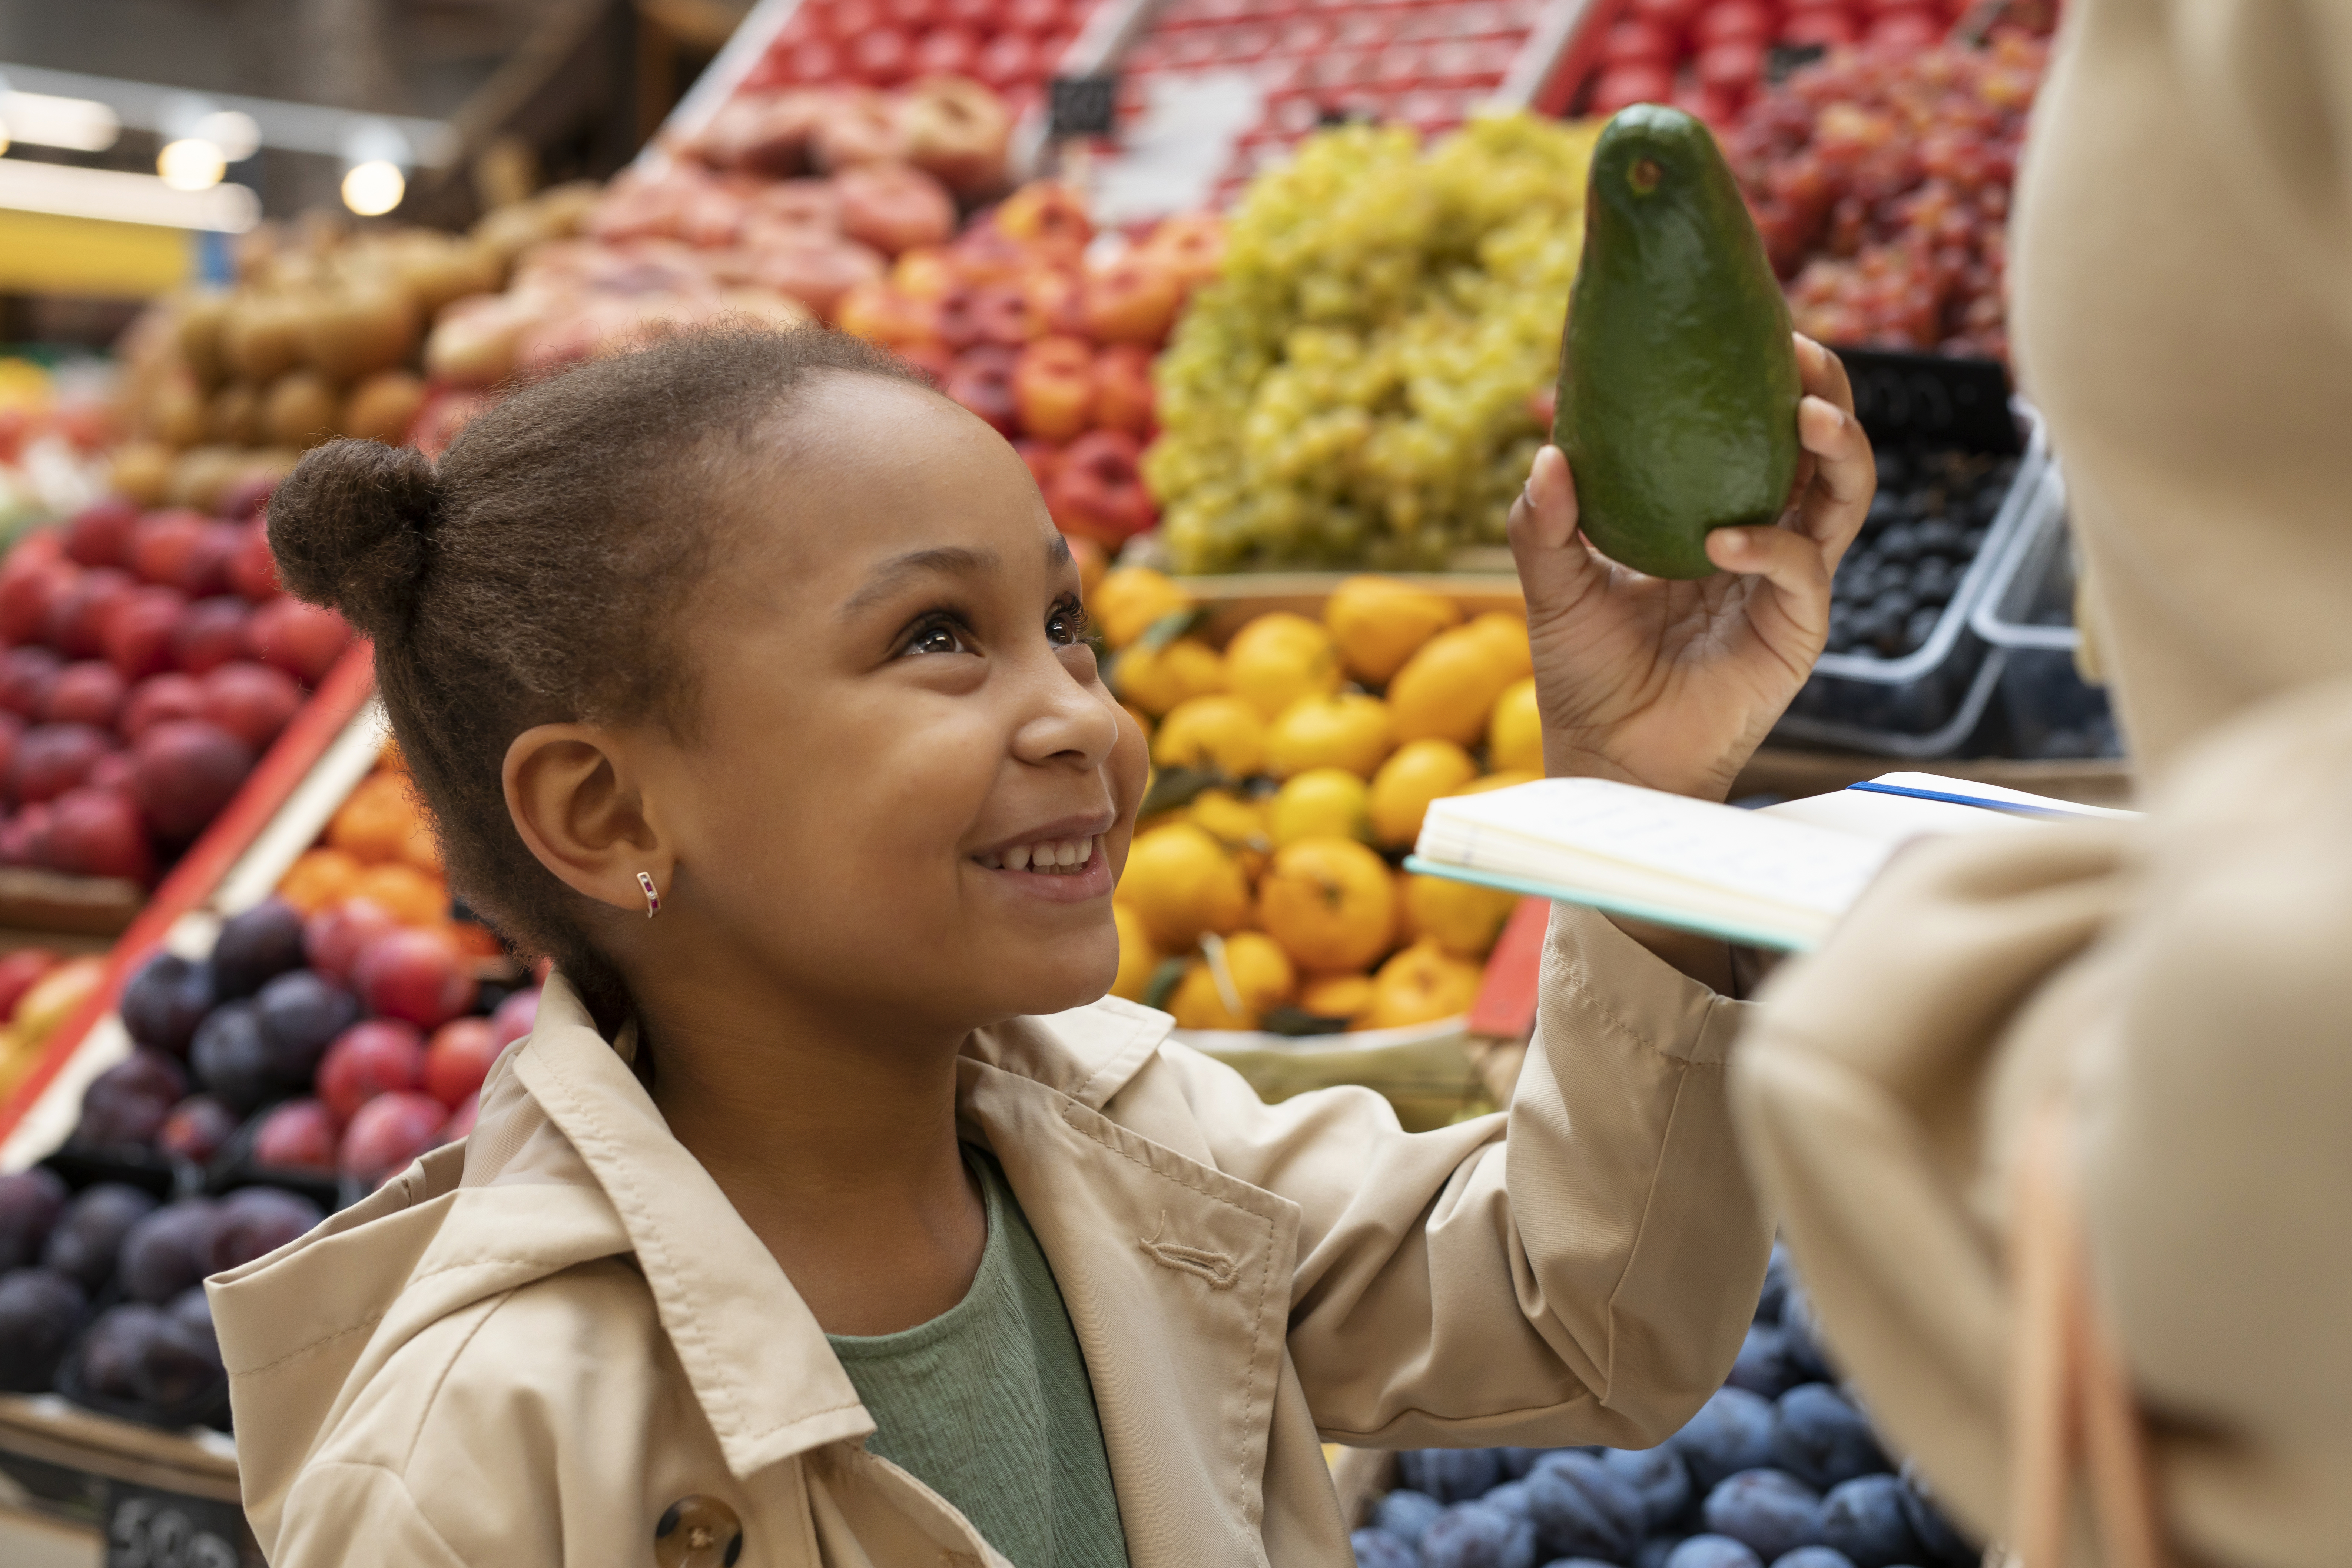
(535, 576)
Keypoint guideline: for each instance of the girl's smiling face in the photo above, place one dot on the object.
(906, 789)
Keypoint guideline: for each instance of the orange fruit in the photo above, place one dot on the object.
(1445, 692)
(1182, 883)
(1420, 984)
(1262, 976)
(1344, 729)
(1321, 803)
(1329, 902)
(1419, 773)
(1497, 781)
(1137, 958)
(1223, 732)
(1514, 730)
(1239, 825)
(1463, 918)
(476, 941)
(319, 878)
(377, 821)
(412, 898)
(1128, 601)
(1379, 622)
(1156, 680)
(1337, 995)
(1278, 659)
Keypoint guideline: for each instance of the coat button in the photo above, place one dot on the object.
(697, 1532)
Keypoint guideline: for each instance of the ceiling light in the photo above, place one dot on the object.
(107, 194)
(232, 131)
(191, 163)
(76, 124)
(374, 188)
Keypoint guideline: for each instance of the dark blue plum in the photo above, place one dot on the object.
(1653, 1553)
(1813, 1557)
(1864, 1520)
(1658, 1476)
(254, 1221)
(1944, 1545)
(1801, 1334)
(1762, 1366)
(1584, 1509)
(40, 1310)
(300, 1013)
(163, 1003)
(1473, 1535)
(1713, 1552)
(1821, 1440)
(30, 1203)
(1407, 1514)
(256, 947)
(1771, 1511)
(232, 1058)
(1379, 1549)
(1777, 1274)
(169, 1250)
(1450, 1475)
(193, 1309)
(141, 1353)
(1511, 1497)
(1732, 1432)
(89, 1234)
(125, 1105)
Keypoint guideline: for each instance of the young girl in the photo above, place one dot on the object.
(831, 1214)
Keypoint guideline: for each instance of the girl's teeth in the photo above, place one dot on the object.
(1017, 858)
(1054, 856)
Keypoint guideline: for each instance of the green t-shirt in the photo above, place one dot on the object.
(989, 1404)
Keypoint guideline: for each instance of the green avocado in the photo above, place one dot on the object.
(1678, 382)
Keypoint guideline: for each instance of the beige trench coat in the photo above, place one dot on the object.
(526, 1348)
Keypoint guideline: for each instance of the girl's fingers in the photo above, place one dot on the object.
(1845, 476)
(1555, 567)
(1797, 568)
(1823, 374)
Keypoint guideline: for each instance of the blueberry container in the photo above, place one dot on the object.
(2027, 615)
(1906, 673)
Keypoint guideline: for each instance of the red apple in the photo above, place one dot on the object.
(413, 973)
(25, 837)
(253, 570)
(1727, 19)
(29, 592)
(1733, 65)
(881, 57)
(459, 1058)
(1123, 395)
(1054, 388)
(300, 1135)
(334, 938)
(251, 701)
(248, 498)
(1038, 18)
(917, 16)
(1638, 40)
(140, 632)
(946, 51)
(1097, 492)
(512, 1019)
(374, 1056)
(1635, 82)
(894, 207)
(99, 535)
(211, 634)
(77, 618)
(302, 639)
(158, 698)
(162, 541)
(89, 691)
(98, 833)
(51, 759)
(186, 770)
(1044, 458)
(18, 970)
(462, 1119)
(389, 1131)
(815, 269)
(1820, 26)
(983, 382)
(1906, 27)
(114, 771)
(205, 569)
(1006, 59)
(27, 676)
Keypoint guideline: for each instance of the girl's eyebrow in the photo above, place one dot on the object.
(952, 559)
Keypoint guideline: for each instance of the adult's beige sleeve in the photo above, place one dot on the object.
(1582, 1270)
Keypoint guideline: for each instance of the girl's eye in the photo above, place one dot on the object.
(1067, 624)
(935, 636)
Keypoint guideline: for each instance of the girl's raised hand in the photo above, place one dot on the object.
(1673, 685)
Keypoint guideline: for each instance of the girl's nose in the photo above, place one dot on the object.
(1065, 717)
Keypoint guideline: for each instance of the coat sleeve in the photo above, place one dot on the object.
(355, 1515)
(1579, 1270)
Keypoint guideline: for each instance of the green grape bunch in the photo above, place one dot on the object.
(1356, 389)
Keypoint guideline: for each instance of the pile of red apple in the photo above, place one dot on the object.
(1881, 186)
(1048, 334)
(147, 660)
(345, 1044)
(1707, 56)
(1014, 46)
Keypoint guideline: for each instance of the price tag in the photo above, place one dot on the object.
(1932, 399)
(147, 1529)
(1081, 105)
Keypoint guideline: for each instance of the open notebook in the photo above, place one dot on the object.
(1777, 878)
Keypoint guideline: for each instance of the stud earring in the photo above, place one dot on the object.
(653, 900)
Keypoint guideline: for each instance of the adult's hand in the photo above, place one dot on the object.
(1671, 684)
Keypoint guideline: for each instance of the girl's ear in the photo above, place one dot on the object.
(575, 798)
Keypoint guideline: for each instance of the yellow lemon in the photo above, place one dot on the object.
(1337, 995)
(1136, 957)
(1128, 601)
(1508, 631)
(1262, 976)
(1419, 773)
(1514, 730)
(1346, 729)
(1497, 781)
(1239, 825)
(1329, 902)
(1280, 658)
(1157, 679)
(1223, 732)
(1445, 692)
(1321, 803)
(1420, 984)
(1182, 883)
(1379, 622)
(1460, 917)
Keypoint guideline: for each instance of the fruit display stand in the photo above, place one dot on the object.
(78, 1489)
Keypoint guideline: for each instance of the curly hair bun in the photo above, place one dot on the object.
(350, 530)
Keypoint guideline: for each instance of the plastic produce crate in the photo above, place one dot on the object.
(2027, 612)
